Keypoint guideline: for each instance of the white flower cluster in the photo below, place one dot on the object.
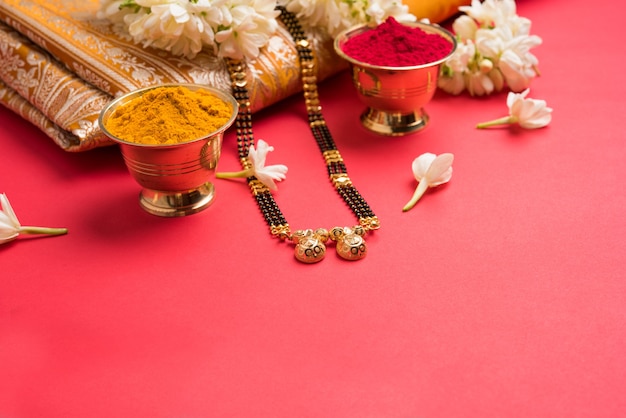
(493, 50)
(233, 28)
(236, 28)
(335, 16)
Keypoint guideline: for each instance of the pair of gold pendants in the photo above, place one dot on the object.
(311, 244)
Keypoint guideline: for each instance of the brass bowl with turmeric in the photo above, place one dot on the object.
(170, 137)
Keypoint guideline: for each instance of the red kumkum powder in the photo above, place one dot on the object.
(392, 44)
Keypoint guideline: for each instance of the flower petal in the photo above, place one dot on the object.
(9, 225)
(277, 172)
(259, 154)
(267, 175)
(6, 237)
(421, 165)
(440, 170)
(7, 210)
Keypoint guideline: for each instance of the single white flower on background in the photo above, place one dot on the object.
(525, 112)
(430, 170)
(10, 226)
(265, 174)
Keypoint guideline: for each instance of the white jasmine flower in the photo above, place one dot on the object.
(265, 174)
(519, 25)
(490, 13)
(464, 27)
(454, 83)
(490, 42)
(527, 113)
(10, 227)
(387, 8)
(502, 42)
(479, 84)
(512, 54)
(453, 73)
(430, 170)
(462, 56)
(518, 71)
(253, 23)
(496, 77)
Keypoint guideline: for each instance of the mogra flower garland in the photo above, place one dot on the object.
(235, 29)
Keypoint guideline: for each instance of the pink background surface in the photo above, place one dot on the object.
(499, 294)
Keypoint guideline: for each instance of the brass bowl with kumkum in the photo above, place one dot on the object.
(170, 137)
(395, 67)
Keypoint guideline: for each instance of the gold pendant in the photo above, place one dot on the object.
(352, 247)
(350, 243)
(310, 246)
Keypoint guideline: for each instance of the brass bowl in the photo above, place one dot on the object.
(395, 96)
(175, 178)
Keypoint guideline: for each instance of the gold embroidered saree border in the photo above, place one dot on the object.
(71, 105)
(10, 99)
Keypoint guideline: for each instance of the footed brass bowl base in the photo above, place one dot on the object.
(394, 123)
(172, 204)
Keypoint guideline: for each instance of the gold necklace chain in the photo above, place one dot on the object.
(310, 243)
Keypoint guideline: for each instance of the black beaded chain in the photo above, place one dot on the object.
(334, 162)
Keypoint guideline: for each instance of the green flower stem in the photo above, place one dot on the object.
(419, 192)
(506, 120)
(42, 230)
(234, 174)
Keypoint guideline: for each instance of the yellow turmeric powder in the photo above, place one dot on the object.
(169, 115)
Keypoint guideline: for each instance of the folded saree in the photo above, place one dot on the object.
(60, 65)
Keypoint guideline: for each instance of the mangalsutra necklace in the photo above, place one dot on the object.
(310, 244)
